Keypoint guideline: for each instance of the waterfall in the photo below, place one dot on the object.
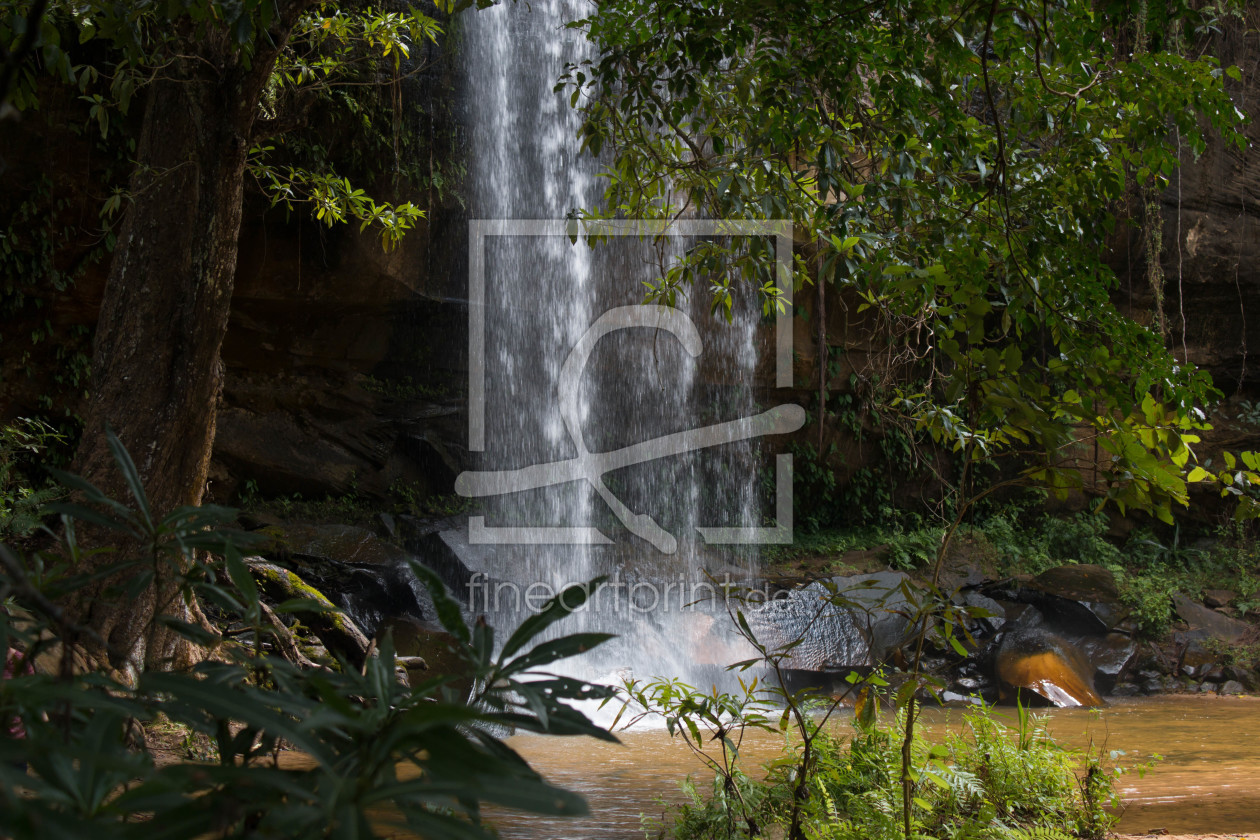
(534, 295)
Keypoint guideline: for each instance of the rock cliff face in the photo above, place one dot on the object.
(1211, 259)
(338, 357)
(1211, 240)
(338, 367)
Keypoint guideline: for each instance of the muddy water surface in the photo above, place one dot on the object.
(1207, 781)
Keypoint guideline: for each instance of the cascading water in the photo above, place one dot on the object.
(533, 296)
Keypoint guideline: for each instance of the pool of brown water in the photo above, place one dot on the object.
(1208, 779)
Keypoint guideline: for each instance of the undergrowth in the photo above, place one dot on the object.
(25, 488)
(983, 781)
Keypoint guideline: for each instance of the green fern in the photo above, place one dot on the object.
(963, 784)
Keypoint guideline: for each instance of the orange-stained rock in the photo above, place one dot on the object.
(1048, 666)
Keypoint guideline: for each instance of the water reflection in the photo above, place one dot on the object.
(1205, 782)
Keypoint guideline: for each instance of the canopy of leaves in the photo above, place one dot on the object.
(957, 168)
(110, 52)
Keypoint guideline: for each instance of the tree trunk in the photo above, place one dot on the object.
(156, 371)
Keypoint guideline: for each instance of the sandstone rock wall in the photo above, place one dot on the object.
(337, 354)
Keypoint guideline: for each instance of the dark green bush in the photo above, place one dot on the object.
(984, 781)
(383, 755)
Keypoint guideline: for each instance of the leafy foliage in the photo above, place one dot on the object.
(984, 781)
(327, 47)
(828, 492)
(1150, 595)
(24, 492)
(1036, 543)
(954, 170)
(40, 260)
(382, 754)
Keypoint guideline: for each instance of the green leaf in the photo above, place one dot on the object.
(562, 648)
(448, 611)
(553, 610)
(241, 577)
(130, 474)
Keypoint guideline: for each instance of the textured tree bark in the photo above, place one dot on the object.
(156, 370)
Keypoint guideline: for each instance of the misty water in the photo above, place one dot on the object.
(547, 386)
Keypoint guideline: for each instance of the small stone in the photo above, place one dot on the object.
(995, 615)
(1216, 675)
(1232, 687)
(1152, 687)
(1126, 690)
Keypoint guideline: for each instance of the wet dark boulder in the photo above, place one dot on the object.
(1198, 647)
(342, 543)
(1249, 679)
(1217, 598)
(1105, 654)
(1210, 622)
(985, 614)
(364, 575)
(1197, 657)
(436, 649)
(1232, 688)
(1076, 599)
(1109, 655)
(444, 547)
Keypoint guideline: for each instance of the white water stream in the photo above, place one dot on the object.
(533, 295)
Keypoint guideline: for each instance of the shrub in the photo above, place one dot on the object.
(984, 781)
(1150, 595)
(917, 549)
(384, 755)
(1033, 544)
